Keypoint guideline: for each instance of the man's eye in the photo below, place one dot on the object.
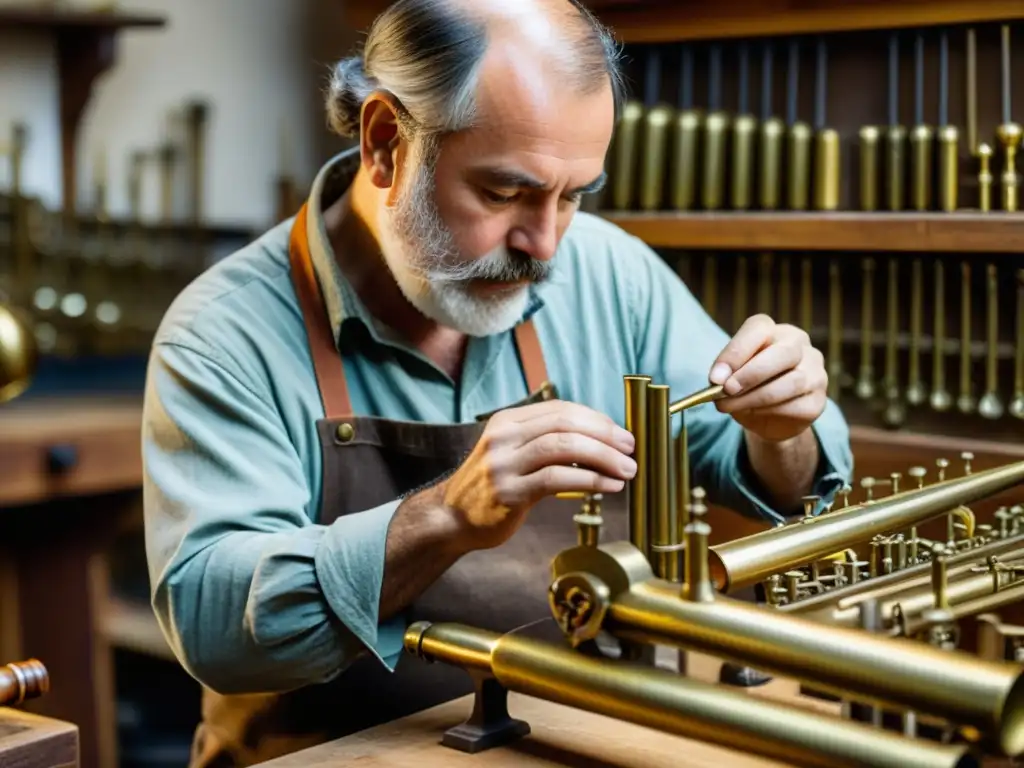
(497, 197)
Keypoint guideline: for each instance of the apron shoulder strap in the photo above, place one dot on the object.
(531, 356)
(330, 374)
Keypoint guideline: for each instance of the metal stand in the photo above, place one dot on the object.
(490, 724)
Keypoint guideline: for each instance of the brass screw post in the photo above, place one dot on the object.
(868, 484)
(942, 464)
(846, 490)
(968, 457)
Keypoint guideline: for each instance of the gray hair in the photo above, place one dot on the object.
(428, 54)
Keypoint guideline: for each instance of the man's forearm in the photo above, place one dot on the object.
(421, 545)
(786, 469)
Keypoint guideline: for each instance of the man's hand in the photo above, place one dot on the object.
(528, 453)
(776, 381)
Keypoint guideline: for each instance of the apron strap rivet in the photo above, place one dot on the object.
(345, 432)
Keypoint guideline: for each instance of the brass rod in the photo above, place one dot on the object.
(706, 395)
(744, 562)
(679, 705)
(698, 584)
(625, 156)
(682, 494)
(972, 92)
(636, 488)
(894, 672)
(1017, 404)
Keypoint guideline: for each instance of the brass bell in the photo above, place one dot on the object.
(18, 354)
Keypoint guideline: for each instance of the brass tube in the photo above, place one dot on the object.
(624, 156)
(895, 137)
(744, 135)
(679, 705)
(716, 129)
(870, 168)
(653, 154)
(894, 672)
(661, 511)
(949, 167)
(682, 495)
(799, 175)
(826, 170)
(636, 489)
(744, 562)
(921, 137)
(686, 131)
(773, 132)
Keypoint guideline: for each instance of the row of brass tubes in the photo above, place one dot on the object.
(901, 381)
(675, 704)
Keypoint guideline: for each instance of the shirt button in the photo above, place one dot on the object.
(345, 432)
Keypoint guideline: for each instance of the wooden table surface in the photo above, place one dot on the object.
(561, 737)
(30, 741)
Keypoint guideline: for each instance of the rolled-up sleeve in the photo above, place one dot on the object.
(677, 343)
(250, 593)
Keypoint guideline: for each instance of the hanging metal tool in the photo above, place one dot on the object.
(966, 401)
(921, 137)
(744, 135)
(1008, 132)
(941, 399)
(915, 386)
(654, 133)
(799, 139)
(715, 137)
(895, 412)
(948, 136)
(686, 129)
(991, 404)
(1017, 404)
(826, 149)
(866, 376)
(895, 134)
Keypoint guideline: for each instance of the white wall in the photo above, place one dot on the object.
(247, 57)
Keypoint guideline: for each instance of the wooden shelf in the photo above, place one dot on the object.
(667, 21)
(85, 43)
(960, 232)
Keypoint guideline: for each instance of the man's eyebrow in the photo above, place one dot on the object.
(506, 177)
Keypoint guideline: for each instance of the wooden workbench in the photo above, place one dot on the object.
(30, 741)
(561, 737)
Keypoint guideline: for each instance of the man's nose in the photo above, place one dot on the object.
(536, 234)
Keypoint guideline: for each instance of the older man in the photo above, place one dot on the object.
(316, 472)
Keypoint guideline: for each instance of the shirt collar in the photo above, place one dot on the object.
(340, 298)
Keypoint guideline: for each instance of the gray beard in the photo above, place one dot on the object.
(436, 278)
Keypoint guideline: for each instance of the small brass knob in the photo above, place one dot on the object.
(918, 474)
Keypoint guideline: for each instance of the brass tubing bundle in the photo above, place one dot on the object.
(908, 578)
(895, 672)
(744, 562)
(21, 681)
(674, 704)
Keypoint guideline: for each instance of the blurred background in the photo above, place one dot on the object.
(139, 143)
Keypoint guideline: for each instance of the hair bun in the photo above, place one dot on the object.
(348, 90)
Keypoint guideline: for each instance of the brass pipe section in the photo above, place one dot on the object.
(893, 672)
(744, 562)
(686, 130)
(826, 170)
(716, 135)
(656, 124)
(990, 406)
(1017, 404)
(706, 395)
(661, 510)
(625, 156)
(675, 704)
(870, 167)
(773, 132)
(744, 136)
(965, 401)
(21, 681)
(637, 487)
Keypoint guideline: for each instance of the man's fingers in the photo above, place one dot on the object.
(568, 448)
(782, 389)
(574, 418)
(806, 407)
(557, 479)
(772, 363)
(753, 335)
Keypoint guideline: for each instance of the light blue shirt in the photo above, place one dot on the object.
(252, 592)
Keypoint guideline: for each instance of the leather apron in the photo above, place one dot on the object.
(369, 461)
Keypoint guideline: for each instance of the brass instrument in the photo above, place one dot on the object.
(21, 681)
(857, 604)
(18, 353)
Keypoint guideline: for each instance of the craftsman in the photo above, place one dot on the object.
(316, 476)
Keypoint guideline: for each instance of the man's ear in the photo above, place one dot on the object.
(379, 137)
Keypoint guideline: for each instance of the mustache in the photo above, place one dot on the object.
(501, 265)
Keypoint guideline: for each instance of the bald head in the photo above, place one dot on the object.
(441, 59)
